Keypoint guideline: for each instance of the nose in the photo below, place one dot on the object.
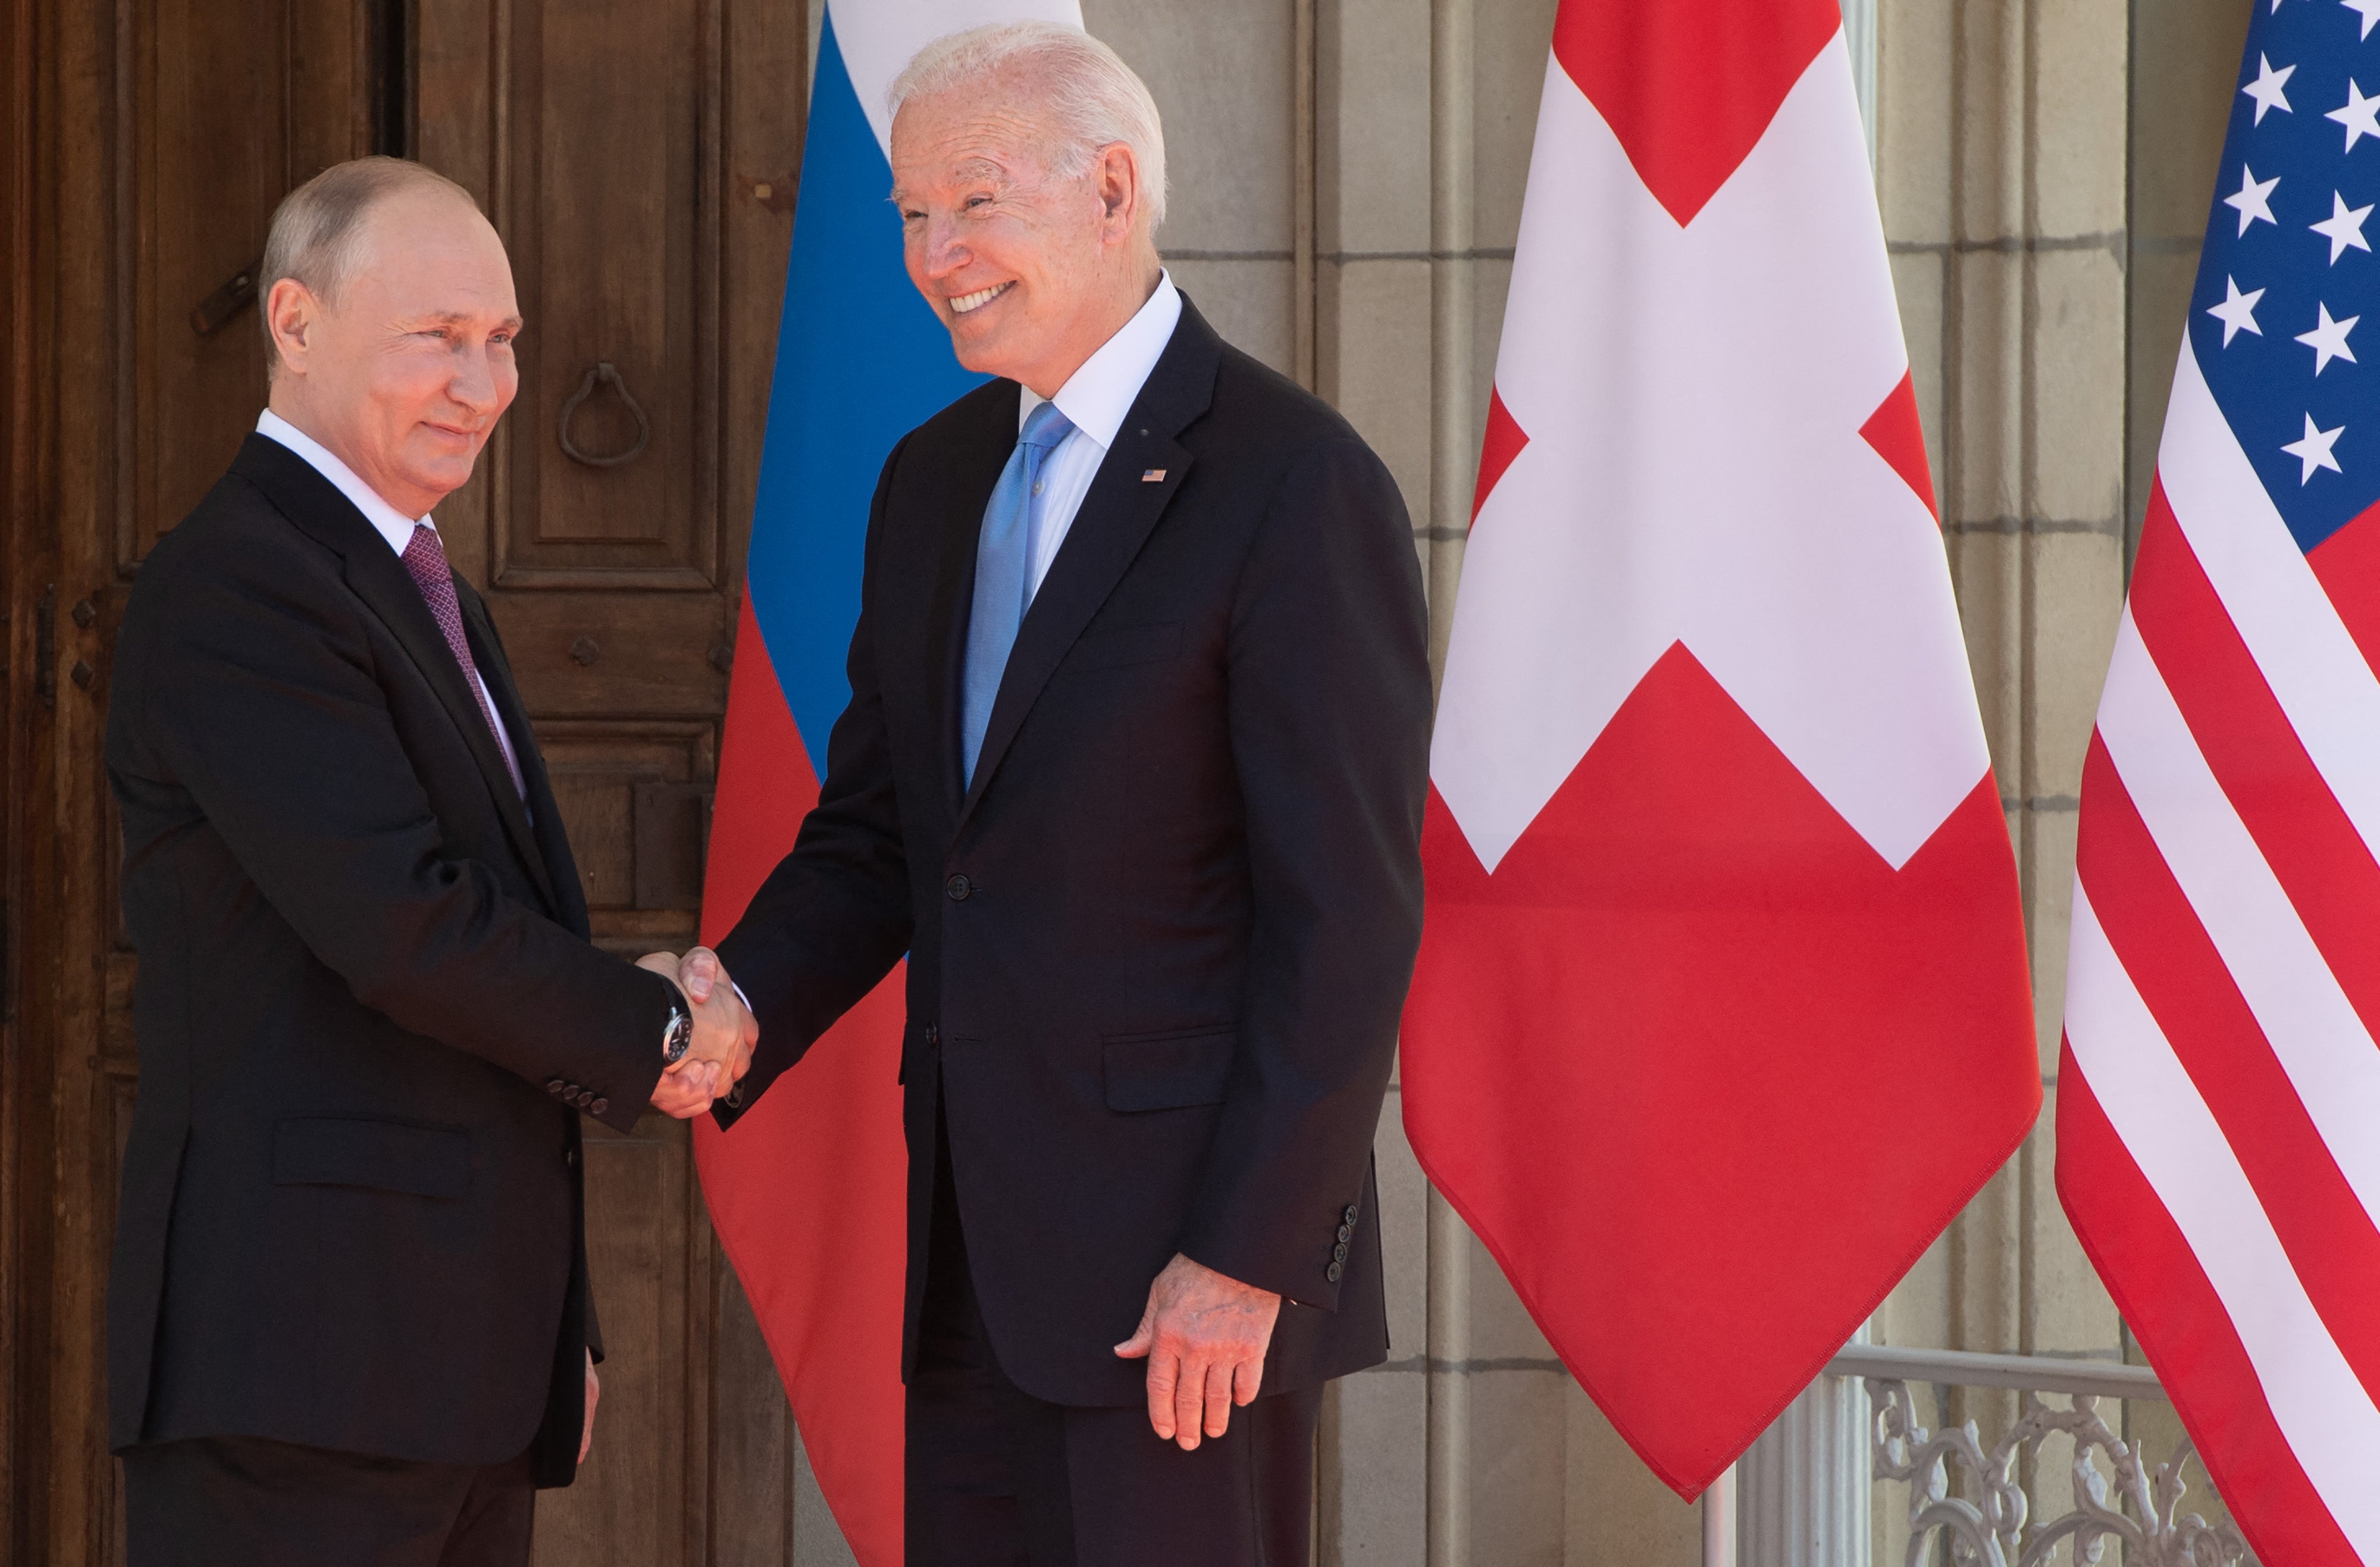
(944, 254)
(474, 382)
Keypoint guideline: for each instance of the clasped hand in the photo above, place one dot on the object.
(724, 1033)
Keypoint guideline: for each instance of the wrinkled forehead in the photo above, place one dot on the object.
(984, 132)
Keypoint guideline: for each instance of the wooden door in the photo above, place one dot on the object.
(638, 157)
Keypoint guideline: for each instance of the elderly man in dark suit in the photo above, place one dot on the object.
(1132, 770)
(349, 1317)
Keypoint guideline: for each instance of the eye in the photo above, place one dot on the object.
(974, 202)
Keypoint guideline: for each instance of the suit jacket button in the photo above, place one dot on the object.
(555, 1088)
(1346, 1232)
(1338, 1252)
(1350, 1215)
(583, 1098)
(1332, 1272)
(959, 888)
(600, 1106)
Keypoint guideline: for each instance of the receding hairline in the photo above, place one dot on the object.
(319, 227)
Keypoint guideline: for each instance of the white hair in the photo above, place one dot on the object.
(1092, 98)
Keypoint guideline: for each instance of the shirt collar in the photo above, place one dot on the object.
(1101, 393)
(386, 521)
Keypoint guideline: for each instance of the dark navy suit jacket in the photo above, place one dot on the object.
(350, 1211)
(1158, 950)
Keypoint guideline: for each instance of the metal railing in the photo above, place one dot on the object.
(1800, 1498)
(1970, 1498)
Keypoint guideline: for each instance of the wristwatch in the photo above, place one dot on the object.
(677, 1035)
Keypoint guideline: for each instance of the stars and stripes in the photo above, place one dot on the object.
(2219, 1096)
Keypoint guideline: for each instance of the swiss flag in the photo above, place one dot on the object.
(1721, 1013)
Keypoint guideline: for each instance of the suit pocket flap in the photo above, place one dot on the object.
(395, 1155)
(1124, 645)
(1168, 1071)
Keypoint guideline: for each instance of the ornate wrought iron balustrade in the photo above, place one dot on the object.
(2127, 1501)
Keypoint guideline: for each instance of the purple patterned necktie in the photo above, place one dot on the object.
(425, 557)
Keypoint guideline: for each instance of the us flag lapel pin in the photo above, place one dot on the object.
(1152, 476)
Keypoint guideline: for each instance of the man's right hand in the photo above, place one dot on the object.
(724, 1033)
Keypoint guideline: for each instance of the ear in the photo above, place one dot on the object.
(292, 311)
(1121, 198)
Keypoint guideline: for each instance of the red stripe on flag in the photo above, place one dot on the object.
(2322, 862)
(2164, 1295)
(2347, 566)
(2157, 936)
(1689, 85)
(1645, 1059)
(824, 1267)
(765, 784)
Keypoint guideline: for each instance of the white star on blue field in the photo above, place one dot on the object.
(2288, 270)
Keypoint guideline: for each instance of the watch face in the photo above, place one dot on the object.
(680, 1035)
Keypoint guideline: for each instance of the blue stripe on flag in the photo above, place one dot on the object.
(861, 360)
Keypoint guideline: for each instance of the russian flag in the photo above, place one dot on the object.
(807, 1194)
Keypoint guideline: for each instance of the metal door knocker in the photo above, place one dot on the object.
(605, 371)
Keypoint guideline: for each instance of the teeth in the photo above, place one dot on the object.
(977, 300)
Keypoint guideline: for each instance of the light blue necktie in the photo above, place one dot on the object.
(1003, 577)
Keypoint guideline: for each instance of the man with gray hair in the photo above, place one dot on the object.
(349, 1317)
(1133, 771)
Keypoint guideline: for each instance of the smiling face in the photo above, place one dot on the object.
(1031, 269)
(405, 372)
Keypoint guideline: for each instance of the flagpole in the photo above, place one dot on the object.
(1719, 1521)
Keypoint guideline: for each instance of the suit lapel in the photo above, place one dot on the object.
(378, 577)
(1115, 520)
(967, 478)
(556, 872)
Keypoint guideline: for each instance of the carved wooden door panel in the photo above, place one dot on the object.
(155, 138)
(638, 158)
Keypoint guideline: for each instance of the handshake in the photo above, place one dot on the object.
(724, 1033)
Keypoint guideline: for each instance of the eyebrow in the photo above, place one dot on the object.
(456, 318)
(972, 169)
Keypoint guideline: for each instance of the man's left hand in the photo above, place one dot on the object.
(1205, 1336)
(594, 1391)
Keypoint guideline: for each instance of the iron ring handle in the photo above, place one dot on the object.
(604, 371)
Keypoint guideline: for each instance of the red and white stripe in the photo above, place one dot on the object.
(2219, 1095)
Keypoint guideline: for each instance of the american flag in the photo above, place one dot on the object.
(2218, 1115)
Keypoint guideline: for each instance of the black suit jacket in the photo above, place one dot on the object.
(350, 1212)
(1158, 950)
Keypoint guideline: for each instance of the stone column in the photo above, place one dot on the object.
(1802, 1491)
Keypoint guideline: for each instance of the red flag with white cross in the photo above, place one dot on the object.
(1722, 1009)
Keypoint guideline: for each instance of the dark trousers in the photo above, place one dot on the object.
(244, 1501)
(998, 1478)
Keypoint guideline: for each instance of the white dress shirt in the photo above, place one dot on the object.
(1095, 400)
(386, 521)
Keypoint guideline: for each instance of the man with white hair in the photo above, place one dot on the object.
(349, 1317)
(1132, 770)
